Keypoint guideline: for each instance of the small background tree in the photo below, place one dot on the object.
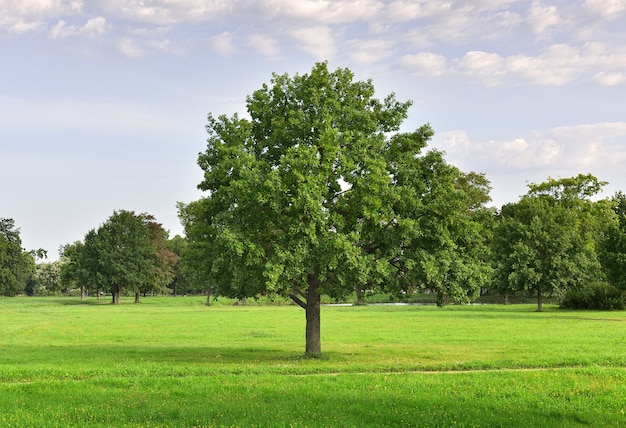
(545, 243)
(119, 254)
(16, 264)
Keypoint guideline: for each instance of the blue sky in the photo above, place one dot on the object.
(103, 103)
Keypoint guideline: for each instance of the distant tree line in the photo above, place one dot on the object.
(17, 265)
(555, 242)
(317, 192)
(129, 253)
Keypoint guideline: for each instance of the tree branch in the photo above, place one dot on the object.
(298, 300)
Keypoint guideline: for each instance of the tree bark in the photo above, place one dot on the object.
(82, 293)
(359, 294)
(115, 293)
(539, 302)
(208, 297)
(136, 297)
(313, 319)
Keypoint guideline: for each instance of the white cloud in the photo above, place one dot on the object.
(167, 12)
(580, 148)
(364, 51)
(265, 45)
(18, 17)
(425, 63)
(164, 45)
(556, 66)
(606, 8)
(403, 10)
(485, 66)
(542, 18)
(461, 23)
(609, 78)
(223, 43)
(129, 47)
(94, 27)
(323, 12)
(316, 41)
(593, 145)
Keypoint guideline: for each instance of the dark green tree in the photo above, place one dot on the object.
(318, 192)
(74, 273)
(545, 242)
(164, 260)
(119, 254)
(178, 246)
(612, 247)
(16, 265)
(198, 253)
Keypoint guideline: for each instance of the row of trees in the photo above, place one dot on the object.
(318, 192)
(17, 266)
(127, 253)
(557, 241)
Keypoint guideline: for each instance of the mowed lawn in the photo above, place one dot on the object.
(173, 362)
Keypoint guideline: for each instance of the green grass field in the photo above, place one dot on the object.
(173, 362)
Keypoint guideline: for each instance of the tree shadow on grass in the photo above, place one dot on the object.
(139, 360)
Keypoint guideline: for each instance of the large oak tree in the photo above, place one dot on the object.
(318, 191)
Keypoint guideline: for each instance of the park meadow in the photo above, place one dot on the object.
(174, 362)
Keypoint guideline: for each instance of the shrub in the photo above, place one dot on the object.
(596, 296)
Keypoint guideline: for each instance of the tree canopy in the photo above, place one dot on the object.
(119, 255)
(613, 245)
(16, 265)
(318, 191)
(545, 243)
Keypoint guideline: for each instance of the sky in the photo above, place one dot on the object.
(103, 103)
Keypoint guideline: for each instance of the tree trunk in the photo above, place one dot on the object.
(115, 293)
(359, 295)
(539, 302)
(82, 293)
(313, 331)
(208, 297)
(506, 298)
(442, 299)
(136, 297)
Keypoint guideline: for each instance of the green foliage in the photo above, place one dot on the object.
(16, 265)
(128, 252)
(546, 242)
(597, 296)
(163, 259)
(571, 191)
(181, 282)
(612, 246)
(74, 268)
(318, 192)
(119, 255)
(47, 279)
